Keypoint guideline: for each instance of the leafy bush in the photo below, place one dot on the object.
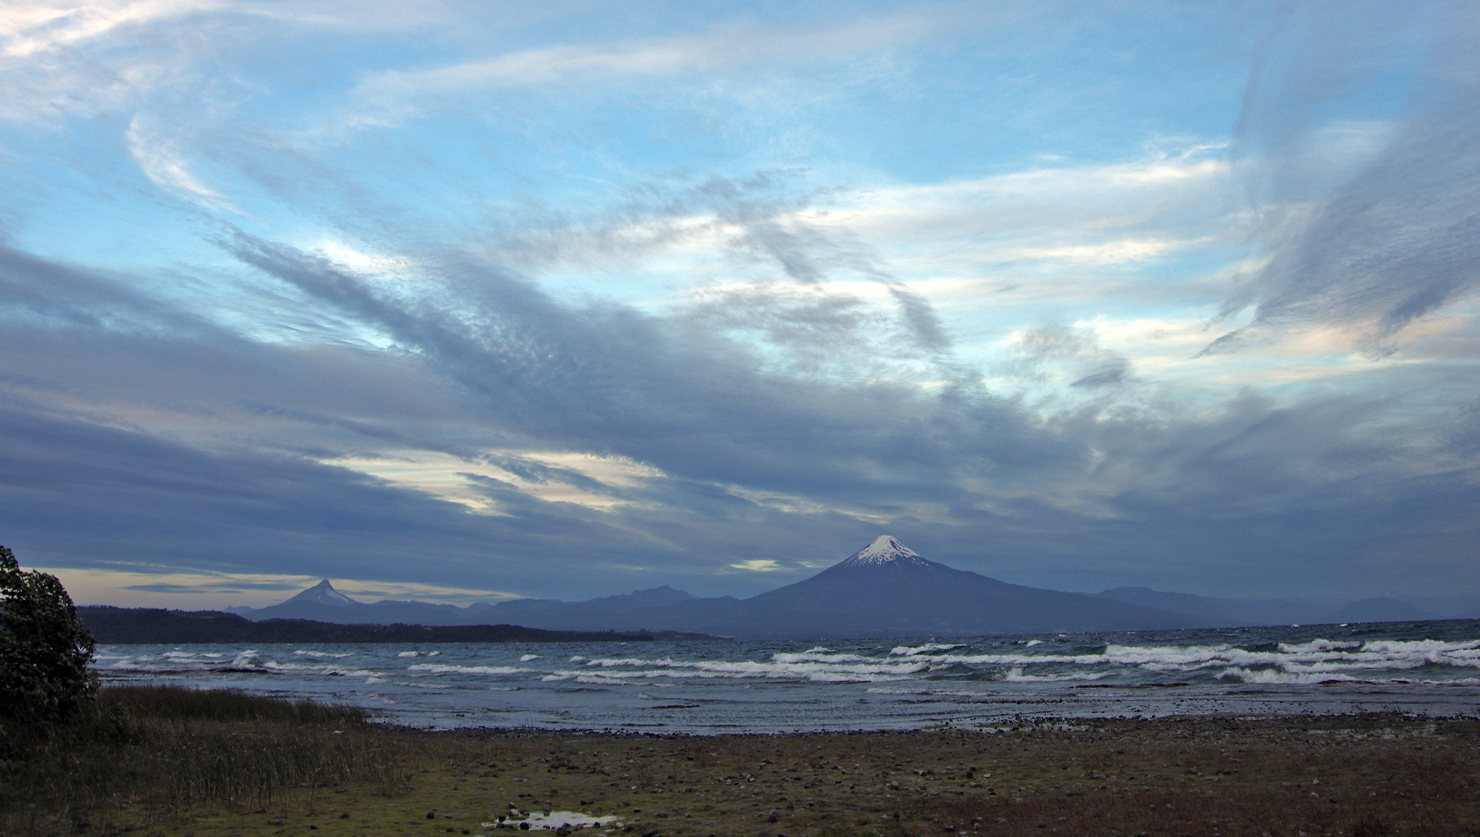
(44, 648)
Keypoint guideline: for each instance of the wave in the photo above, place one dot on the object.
(440, 668)
(914, 671)
(1273, 677)
(1016, 675)
(1317, 646)
(1302, 661)
(820, 655)
(808, 666)
(916, 650)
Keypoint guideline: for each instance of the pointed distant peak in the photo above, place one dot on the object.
(324, 593)
(884, 550)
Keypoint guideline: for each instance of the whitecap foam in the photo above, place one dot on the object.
(800, 667)
(1317, 646)
(814, 657)
(1272, 677)
(246, 660)
(928, 648)
(440, 668)
(1016, 675)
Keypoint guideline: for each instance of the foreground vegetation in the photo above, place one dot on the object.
(146, 756)
(44, 648)
(177, 762)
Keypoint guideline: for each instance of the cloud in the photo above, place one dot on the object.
(159, 158)
(578, 308)
(1059, 352)
(691, 406)
(1395, 242)
(389, 96)
(232, 468)
(32, 28)
(759, 565)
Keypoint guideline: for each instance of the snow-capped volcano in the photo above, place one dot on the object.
(883, 550)
(324, 593)
(886, 588)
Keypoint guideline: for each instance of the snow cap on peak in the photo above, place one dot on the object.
(324, 593)
(883, 550)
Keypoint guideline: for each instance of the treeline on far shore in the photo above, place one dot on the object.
(140, 626)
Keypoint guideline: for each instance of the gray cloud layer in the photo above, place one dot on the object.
(1400, 238)
(751, 464)
(763, 418)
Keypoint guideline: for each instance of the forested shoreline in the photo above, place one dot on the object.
(152, 626)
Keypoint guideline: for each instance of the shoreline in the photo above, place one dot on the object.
(802, 686)
(835, 707)
(1364, 774)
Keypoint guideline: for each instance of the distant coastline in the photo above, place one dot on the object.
(884, 589)
(154, 626)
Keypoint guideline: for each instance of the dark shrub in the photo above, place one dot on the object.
(44, 648)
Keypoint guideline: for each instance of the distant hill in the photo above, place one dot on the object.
(134, 626)
(322, 603)
(1225, 612)
(632, 611)
(1239, 612)
(1380, 609)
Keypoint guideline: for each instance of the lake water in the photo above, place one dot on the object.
(1429, 668)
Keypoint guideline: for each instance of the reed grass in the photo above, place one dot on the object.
(163, 749)
(224, 705)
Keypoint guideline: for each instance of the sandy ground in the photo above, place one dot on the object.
(1364, 775)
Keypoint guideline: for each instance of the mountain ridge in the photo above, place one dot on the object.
(885, 589)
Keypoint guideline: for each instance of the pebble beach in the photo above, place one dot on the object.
(1367, 774)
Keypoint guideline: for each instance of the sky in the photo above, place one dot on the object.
(468, 301)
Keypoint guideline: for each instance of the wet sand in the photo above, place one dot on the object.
(1365, 775)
